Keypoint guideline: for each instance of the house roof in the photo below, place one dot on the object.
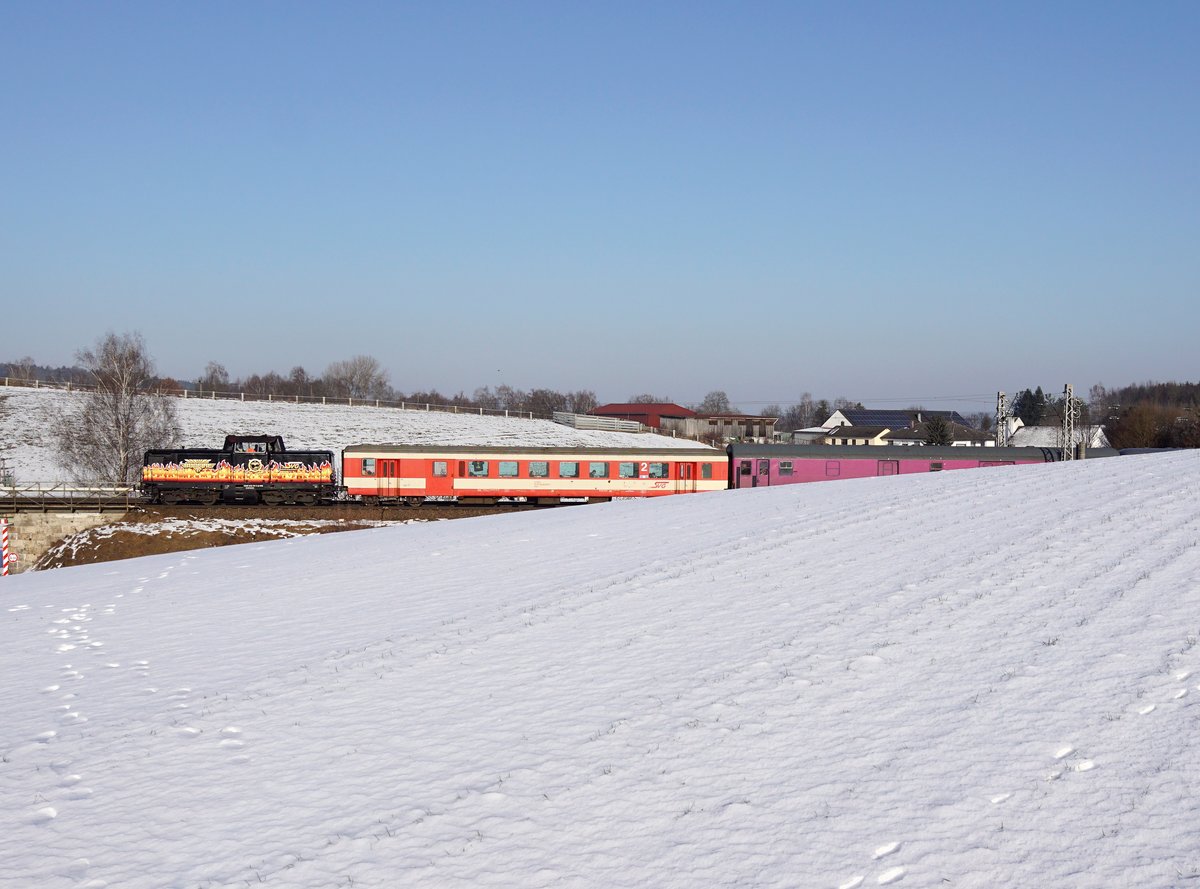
(755, 418)
(857, 431)
(895, 419)
(958, 432)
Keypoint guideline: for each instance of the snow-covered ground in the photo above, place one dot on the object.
(27, 443)
(966, 679)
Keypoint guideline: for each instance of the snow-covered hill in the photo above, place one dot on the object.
(966, 679)
(26, 441)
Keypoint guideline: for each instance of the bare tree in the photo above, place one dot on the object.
(23, 368)
(216, 377)
(360, 377)
(716, 402)
(938, 431)
(982, 420)
(582, 401)
(103, 437)
(647, 398)
(544, 402)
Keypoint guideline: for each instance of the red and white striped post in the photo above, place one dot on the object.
(3, 547)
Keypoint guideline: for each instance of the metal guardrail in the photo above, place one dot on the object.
(64, 497)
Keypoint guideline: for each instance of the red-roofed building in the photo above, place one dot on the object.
(647, 414)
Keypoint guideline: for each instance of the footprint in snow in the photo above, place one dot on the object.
(886, 850)
(231, 740)
(891, 875)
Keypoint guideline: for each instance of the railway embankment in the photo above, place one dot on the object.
(45, 540)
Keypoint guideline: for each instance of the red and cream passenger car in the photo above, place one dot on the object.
(543, 475)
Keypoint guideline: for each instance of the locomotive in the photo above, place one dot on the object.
(247, 469)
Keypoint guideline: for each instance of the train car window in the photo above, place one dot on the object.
(508, 469)
(368, 466)
(833, 468)
(597, 470)
(539, 469)
(660, 470)
(439, 468)
(627, 470)
(935, 467)
(785, 467)
(477, 468)
(705, 470)
(568, 470)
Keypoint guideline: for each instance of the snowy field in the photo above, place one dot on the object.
(28, 414)
(967, 679)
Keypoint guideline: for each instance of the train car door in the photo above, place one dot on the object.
(686, 484)
(439, 476)
(745, 476)
(389, 484)
(887, 467)
(763, 479)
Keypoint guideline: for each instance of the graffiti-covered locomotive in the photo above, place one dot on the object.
(248, 469)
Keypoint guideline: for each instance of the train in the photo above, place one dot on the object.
(246, 469)
(260, 469)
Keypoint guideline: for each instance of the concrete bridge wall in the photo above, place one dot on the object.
(30, 534)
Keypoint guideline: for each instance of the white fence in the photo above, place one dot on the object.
(607, 424)
(292, 399)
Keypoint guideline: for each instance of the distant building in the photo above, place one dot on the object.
(1052, 436)
(722, 428)
(863, 426)
(651, 414)
(673, 419)
(893, 419)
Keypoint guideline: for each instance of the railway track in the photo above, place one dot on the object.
(69, 499)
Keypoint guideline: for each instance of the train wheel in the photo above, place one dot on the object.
(414, 501)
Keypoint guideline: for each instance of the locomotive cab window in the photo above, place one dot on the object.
(508, 469)
(368, 466)
(477, 468)
(539, 469)
(597, 470)
(744, 468)
(439, 468)
(568, 470)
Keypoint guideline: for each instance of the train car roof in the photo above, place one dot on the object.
(590, 450)
(900, 452)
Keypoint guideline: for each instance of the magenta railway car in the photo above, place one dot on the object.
(412, 473)
(756, 466)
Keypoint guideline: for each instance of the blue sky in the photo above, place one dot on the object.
(917, 202)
